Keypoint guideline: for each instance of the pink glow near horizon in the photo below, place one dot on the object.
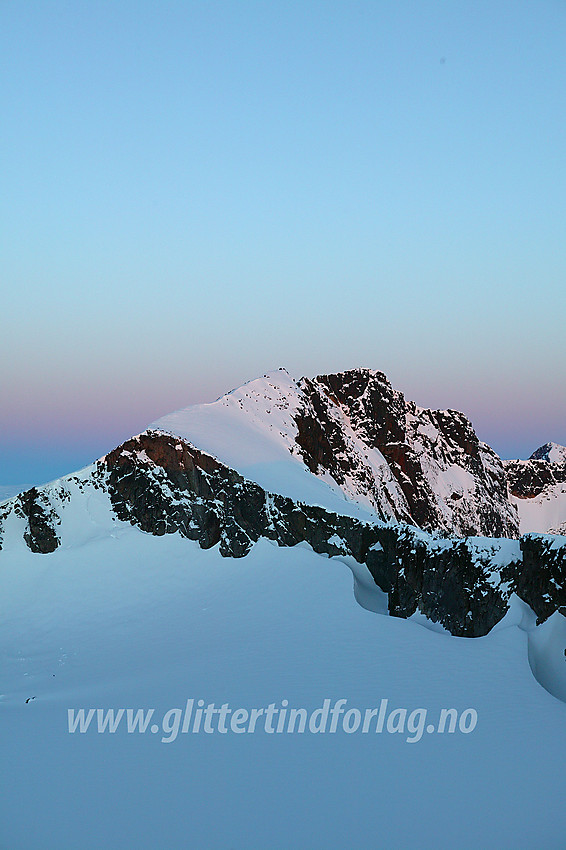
(502, 418)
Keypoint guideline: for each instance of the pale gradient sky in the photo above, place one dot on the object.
(195, 192)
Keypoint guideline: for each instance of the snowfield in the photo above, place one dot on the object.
(132, 620)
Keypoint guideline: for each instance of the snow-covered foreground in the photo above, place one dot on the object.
(139, 621)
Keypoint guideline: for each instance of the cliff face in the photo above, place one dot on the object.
(529, 478)
(439, 476)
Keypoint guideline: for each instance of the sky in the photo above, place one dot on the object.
(193, 193)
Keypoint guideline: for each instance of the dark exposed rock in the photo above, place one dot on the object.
(528, 478)
(541, 581)
(413, 441)
(449, 584)
(40, 534)
(150, 476)
(323, 446)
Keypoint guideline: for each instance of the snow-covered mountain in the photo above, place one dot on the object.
(362, 442)
(537, 487)
(551, 452)
(341, 462)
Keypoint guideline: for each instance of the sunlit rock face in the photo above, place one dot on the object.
(426, 467)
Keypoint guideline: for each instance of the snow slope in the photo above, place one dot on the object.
(142, 621)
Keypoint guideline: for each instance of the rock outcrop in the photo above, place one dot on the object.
(444, 478)
(529, 478)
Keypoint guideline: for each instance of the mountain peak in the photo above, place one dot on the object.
(348, 441)
(551, 452)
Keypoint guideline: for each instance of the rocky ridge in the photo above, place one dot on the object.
(163, 485)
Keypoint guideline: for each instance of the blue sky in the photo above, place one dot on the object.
(196, 192)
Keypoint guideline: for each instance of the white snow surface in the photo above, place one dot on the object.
(131, 620)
